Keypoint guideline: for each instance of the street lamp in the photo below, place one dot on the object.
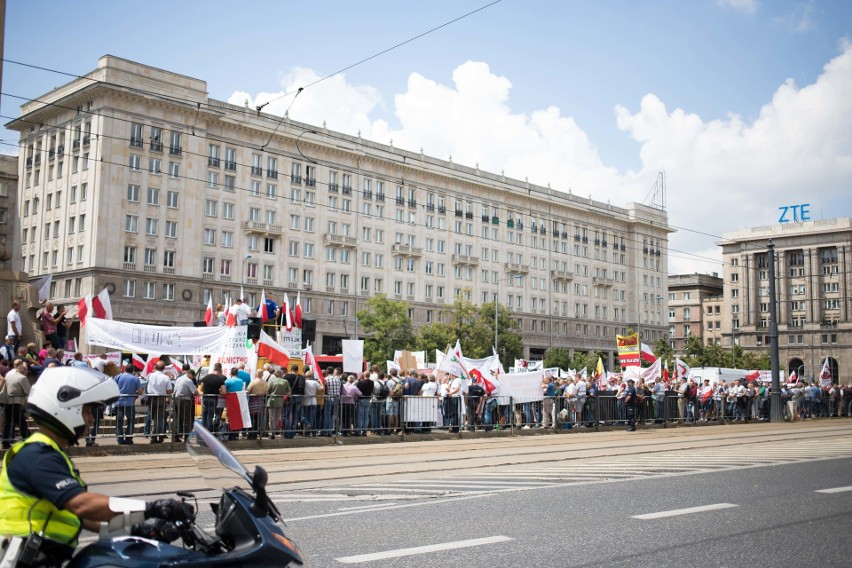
(243, 276)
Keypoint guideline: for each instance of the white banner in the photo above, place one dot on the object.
(420, 409)
(141, 338)
(291, 341)
(523, 387)
(353, 356)
(232, 351)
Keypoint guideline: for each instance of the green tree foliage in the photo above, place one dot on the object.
(434, 336)
(663, 349)
(386, 326)
(557, 357)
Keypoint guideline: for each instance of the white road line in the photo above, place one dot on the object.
(835, 490)
(362, 507)
(676, 512)
(422, 549)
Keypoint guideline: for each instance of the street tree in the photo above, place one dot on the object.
(387, 328)
(557, 357)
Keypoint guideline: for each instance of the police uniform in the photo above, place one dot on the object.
(630, 399)
(33, 503)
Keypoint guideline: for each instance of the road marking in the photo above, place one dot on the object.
(689, 511)
(835, 490)
(422, 549)
(362, 507)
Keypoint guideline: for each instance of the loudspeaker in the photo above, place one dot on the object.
(199, 324)
(309, 330)
(253, 331)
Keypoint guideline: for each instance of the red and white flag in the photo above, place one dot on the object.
(151, 364)
(83, 308)
(298, 317)
(288, 315)
(792, 379)
(646, 354)
(101, 307)
(230, 319)
(264, 312)
(138, 361)
(239, 417)
(208, 314)
(825, 377)
(308, 354)
(274, 353)
(683, 370)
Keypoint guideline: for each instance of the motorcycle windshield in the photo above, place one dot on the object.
(216, 464)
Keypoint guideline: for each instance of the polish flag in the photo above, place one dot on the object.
(208, 315)
(83, 308)
(665, 377)
(683, 370)
(239, 417)
(230, 320)
(753, 376)
(101, 307)
(646, 354)
(793, 378)
(298, 318)
(138, 362)
(151, 364)
(308, 354)
(288, 316)
(825, 373)
(274, 353)
(264, 312)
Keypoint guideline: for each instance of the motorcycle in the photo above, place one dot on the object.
(248, 528)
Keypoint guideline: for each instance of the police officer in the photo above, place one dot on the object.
(41, 492)
(630, 400)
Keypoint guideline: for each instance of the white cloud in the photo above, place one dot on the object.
(722, 174)
(747, 7)
(800, 19)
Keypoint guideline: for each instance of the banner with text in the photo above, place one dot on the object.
(628, 350)
(140, 338)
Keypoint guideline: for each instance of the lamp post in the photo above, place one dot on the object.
(243, 276)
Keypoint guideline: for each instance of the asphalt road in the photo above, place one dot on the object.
(730, 496)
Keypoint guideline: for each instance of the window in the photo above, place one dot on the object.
(269, 245)
(151, 225)
(207, 265)
(227, 210)
(271, 190)
(254, 188)
(129, 288)
(209, 236)
(135, 135)
(132, 193)
(154, 165)
(210, 207)
(174, 144)
(135, 162)
(153, 196)
(213, 155)
(254, 214)
(169, 292)
(228, 239)
(174, 170)
(230, 183)
(213, 180)
(150, 257)
(131, 223)
(230, 159)
(225, 267)
(130, 255)
(81, 224)
(172, 199)
(149, 292)
(171, 229)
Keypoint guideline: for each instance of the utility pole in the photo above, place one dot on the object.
(775, 413)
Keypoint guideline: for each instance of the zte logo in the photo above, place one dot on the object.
(795, 213)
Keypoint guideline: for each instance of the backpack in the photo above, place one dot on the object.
(384, 391)
(396, 391)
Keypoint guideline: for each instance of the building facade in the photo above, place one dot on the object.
(690, 296)
(134, 179)
(812, 269)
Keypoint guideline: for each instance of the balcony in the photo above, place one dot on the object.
(430, 207)
(514, 268)
(156, 146)
(149, 268)
(295, 179)
(168, 270)
(365, 292)
(307, 287)
(310, 182)
(468, 214)
(29, 163)
(75, 145)
(601, 281)
(230, 165)
(459, 213)
(561, 275)
(292, 285)
(406, 250)
(333, 188)
(409, 298)
(347, 190)
(485, 218)
(466, 260)
(253, 227)
(87, 140)
(225, 278)
(329, 289)
(267, 282)
(175, 150)
(339, 240)
(251, 281)
(400, 201)
(412, 203)
(207, 276)
(380, 197)
(51, 153)
(213, 162)
(368, 194)
(130, 266)
(441, 209)
(271, 174)
(37, 159)
(136, 142)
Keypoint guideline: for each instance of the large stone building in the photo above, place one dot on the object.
(690, 297)
(813, 263)
(134, 179)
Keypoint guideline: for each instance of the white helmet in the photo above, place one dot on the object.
(57, 398)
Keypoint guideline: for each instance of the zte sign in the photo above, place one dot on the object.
(795, 213)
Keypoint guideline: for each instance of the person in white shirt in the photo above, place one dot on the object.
(454, 394)
(241, 311)
(13, 323)
(158, 390)
(580, 403)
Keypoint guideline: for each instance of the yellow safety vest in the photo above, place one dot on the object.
(22, 514)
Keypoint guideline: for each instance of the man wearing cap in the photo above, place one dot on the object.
(630, 404)
(129, 387)
(8, 350)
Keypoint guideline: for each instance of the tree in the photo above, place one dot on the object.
(557, 357)
(387, 328)
(434, 336)
(510, 342)
(663, 349)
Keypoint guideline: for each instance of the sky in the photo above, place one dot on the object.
(746, 105)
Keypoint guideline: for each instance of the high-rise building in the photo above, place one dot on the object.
(690, 296)
(133, 178)
(812, 275)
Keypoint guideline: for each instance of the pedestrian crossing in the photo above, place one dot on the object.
(579, 471)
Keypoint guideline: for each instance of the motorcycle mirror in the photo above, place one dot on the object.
(185, 494)
(259, 478)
